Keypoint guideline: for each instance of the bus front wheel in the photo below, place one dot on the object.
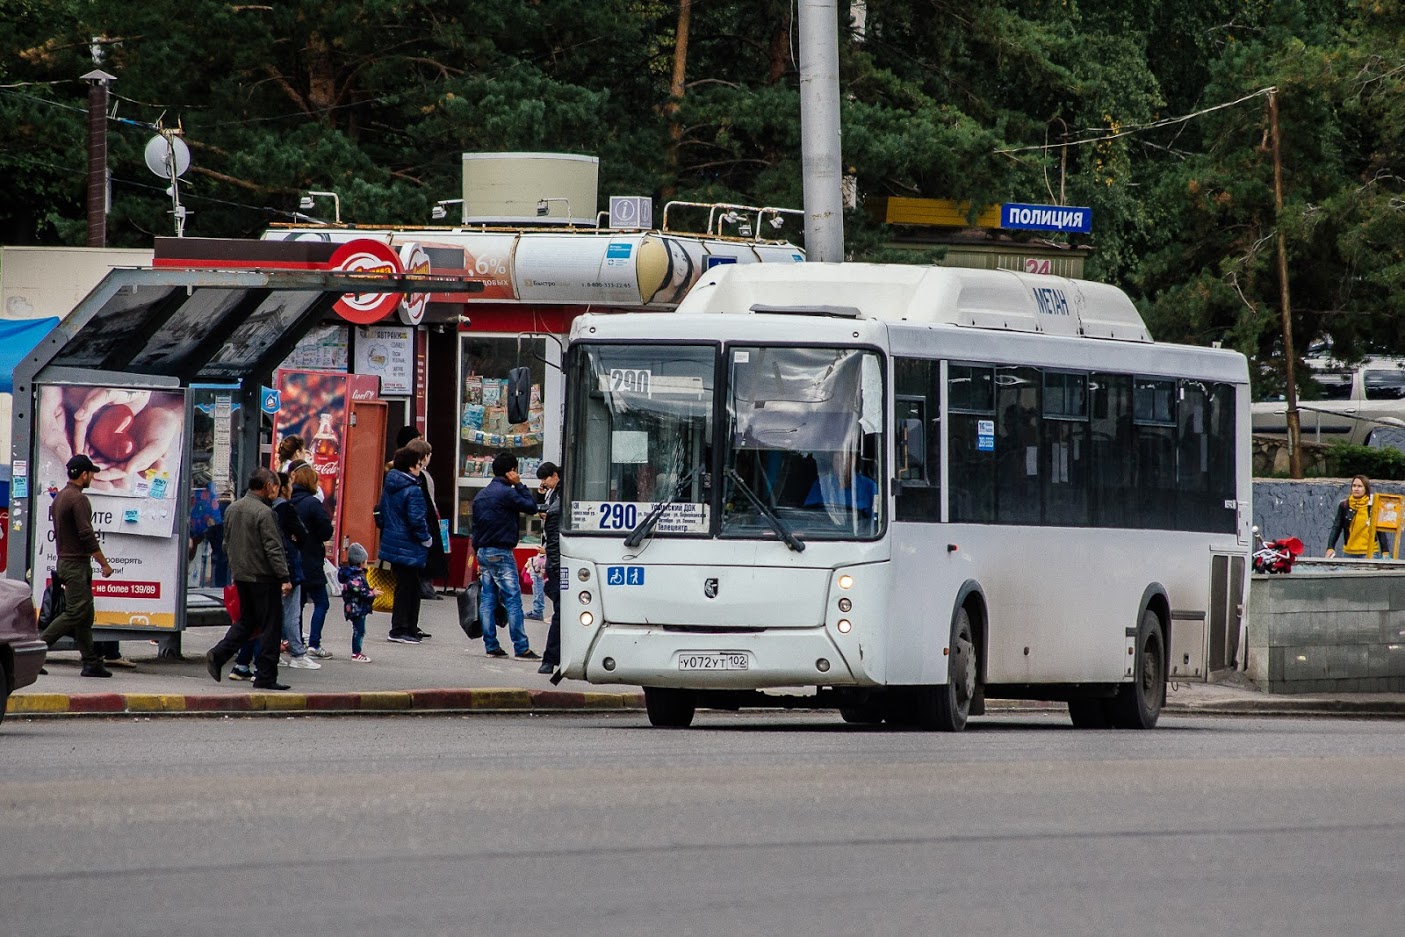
(946, 708)
(1137, 705)
(669, 708)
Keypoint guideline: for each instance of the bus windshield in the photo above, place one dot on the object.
(641, 437)
(804, 443)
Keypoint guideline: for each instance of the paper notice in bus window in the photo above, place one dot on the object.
(985, 435)
(1031, 460)
(628, 446)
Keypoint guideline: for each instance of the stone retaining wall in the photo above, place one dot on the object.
(1328, 630)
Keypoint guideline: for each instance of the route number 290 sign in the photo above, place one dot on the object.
(623, 516)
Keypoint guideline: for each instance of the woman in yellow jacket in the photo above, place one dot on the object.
(1353, 521)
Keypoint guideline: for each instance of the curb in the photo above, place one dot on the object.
(508, 700)
(492, 699)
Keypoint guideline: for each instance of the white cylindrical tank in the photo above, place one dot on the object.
(534, 188)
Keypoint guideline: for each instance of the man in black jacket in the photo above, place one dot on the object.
(550, 475)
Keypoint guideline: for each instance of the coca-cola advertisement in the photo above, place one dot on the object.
(313, 407)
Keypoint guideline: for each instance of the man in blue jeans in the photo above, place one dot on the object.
(495, 525)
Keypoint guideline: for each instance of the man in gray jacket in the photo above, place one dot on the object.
(254, 545)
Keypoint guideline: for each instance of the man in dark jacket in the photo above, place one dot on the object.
(254, 543)
(495, 525)
(405, 541)
(78, 546)
(550, 476)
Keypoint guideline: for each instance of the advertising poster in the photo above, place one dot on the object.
(137, 438)
(323, 348)
(313, 406)
(388, 352)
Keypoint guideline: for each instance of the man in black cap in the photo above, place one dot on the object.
(77, 546)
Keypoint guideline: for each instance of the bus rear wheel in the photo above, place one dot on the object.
(1137, 705)
(669, 708)
(1089, 713)
(946, 708)
(863, 714)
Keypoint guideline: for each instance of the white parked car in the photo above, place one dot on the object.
(1357, 401)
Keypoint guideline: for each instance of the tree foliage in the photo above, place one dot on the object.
(975, 100)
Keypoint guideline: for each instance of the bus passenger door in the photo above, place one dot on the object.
(1207, 642)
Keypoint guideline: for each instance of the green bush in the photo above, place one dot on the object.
(1347, 460)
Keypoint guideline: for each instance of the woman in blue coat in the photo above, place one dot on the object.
(405, 541)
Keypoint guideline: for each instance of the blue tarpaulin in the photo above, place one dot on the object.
(17, 338)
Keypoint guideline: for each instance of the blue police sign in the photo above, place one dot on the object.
(1046, 218)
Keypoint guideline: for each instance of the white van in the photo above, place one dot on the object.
(1357, 401)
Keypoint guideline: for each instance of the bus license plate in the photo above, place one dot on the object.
(698, 660)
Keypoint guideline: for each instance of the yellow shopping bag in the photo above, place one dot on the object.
(384, 580)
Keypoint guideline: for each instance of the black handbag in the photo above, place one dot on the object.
(468, 611)
(52, 604)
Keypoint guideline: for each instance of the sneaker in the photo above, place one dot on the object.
(241, 673)
(271, 686)
(96, 670)
(318, 653)
(528, 654)
(423, 634)
(497, 652)
(546, 668)
(403, 639)
(122, 662)
(304, 663)
(360, 659)
(532, 617)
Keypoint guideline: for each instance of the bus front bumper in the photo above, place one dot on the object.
(653, 656)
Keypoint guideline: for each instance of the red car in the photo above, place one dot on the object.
(21, 651)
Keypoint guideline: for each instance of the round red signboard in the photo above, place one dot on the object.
(365, 255)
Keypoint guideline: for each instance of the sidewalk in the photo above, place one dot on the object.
(444, 672)
(447, 673)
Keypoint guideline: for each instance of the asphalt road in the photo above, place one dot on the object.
(753, 824)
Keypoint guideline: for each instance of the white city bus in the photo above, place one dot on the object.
(908, 489)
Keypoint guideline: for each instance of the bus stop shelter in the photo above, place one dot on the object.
(113, 380)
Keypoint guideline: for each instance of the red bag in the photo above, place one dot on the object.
(231, 602)
(526, 579)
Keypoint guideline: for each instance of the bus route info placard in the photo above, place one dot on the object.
(681, 518)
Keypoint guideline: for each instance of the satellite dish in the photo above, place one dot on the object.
(159, 153)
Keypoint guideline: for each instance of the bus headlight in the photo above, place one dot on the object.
(587, 619)
(584, 574)
(845, 605)
(846, 581)
(844, 626)
(584, 598)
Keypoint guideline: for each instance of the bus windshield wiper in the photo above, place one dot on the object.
(637, 535)
(778, 525)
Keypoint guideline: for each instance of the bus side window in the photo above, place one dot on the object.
(917, 439)
(971, 418)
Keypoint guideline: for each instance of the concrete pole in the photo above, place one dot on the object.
(97, 80)
(819, 131)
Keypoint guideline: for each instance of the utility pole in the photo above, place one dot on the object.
(97, 80)
(1295, 435)
(676, 90)
(819, 131)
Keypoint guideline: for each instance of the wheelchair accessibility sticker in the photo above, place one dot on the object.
(624, 575)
